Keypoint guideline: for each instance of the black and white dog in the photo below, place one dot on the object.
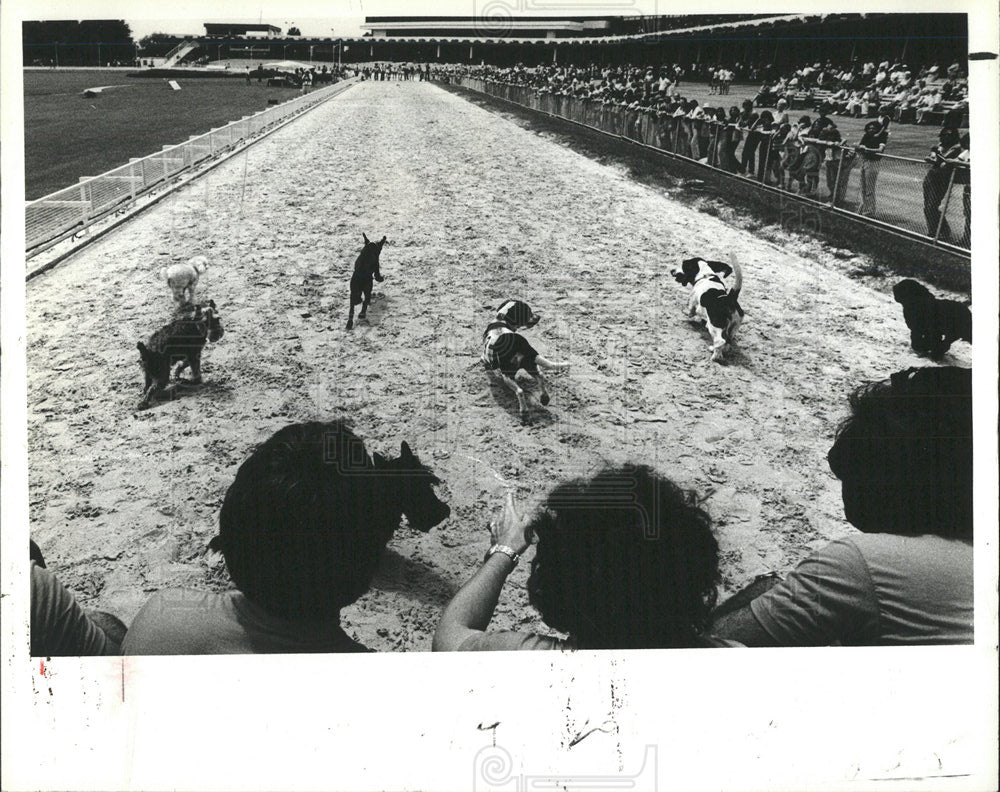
(712, 301)
(934, 324)
(505, 351)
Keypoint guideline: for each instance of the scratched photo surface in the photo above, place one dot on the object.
(242, 254)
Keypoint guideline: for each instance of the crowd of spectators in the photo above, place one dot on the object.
(890, 88)
(625, 559)
(763, 138)
(394, 71)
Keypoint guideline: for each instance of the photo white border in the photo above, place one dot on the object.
(749, 719)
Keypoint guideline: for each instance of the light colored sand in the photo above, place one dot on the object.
(476, 209)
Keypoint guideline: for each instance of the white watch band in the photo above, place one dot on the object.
(507, 551)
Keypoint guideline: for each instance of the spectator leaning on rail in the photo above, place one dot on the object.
(870, 150)
(904, 459)
(937, 179)
(838, 161)
(963, 176)
(625, 560)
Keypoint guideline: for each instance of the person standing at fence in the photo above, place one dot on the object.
(781, 113)
(699, 132)
(963, 176)
(731, 137)
(838, 161)
(717, 128)
(767, 157)
(824, 121)
(748, 120)
(803, 168)
(870, 150)
(936, 181)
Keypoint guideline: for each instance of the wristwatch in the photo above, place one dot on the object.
(507, 551)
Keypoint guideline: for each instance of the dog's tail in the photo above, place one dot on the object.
(550, 364)
(734, 290)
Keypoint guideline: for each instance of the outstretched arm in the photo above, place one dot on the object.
(471, 609)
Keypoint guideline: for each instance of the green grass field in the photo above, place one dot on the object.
(67, 135)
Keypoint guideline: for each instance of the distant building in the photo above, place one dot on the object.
(235, 29)
(514, 27)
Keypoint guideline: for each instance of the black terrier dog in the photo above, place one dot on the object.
(179, 342)
(366, 267)
(934, 324)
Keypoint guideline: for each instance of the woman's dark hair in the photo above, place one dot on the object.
(904, 456)
(299, 524)
(948, 136)
(625, 560)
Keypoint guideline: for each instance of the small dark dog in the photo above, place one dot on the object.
(405, 486)
(366, 267)
(179, 342)
(505, 351)
(934, 324)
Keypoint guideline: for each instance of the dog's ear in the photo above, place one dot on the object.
(382, 242)
(379, 460)
(364, 236)
(142, 348)
(721, 267)
(404, 451)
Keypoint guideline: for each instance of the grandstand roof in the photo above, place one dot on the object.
(503, 26)
(565, 29)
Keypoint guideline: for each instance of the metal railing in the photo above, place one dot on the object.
(68, 211)
(907, 194)
(168, 59)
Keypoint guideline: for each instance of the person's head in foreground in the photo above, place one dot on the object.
(904, 456)
(301, 529)
(296, 526)
(904, 460)
(303, 525)
(623, 560)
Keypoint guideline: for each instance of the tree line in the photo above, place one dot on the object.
(90, 42)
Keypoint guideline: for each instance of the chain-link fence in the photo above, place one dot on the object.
(914, 195)
(71, 209)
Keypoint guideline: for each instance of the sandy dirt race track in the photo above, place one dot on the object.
(476, 209)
